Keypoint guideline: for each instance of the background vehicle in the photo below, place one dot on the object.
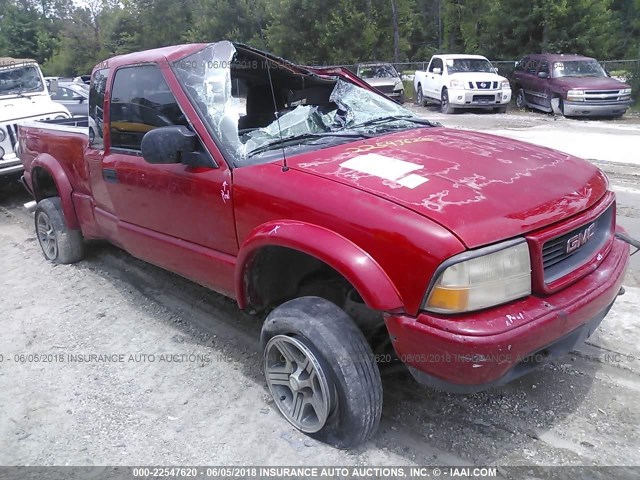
(571, 85)
(460, 82)
(23, 96)
(362, 233)
(384, 77)
(74, 96)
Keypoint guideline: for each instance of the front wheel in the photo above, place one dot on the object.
(321, 372)
(521, 102)
(445, 105)
(59, 243)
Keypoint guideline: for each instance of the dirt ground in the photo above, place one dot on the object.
(115, 362)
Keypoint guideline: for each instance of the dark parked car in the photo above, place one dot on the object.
(572, 85)
(384, 77)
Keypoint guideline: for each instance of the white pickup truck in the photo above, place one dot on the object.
(23, 96)
(461, 81)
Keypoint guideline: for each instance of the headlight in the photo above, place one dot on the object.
(505, 85)
(482, 278)
(3, 135)
(457, 84)
(1, 153)
(398, 86)
(575, 95)
(625, 91)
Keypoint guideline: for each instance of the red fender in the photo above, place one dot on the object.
(63, 185)
(353, 263)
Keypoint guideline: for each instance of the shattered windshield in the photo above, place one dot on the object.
(582, 68)
(20, 80)
(254, 105)
(377, 71)
(459, 65)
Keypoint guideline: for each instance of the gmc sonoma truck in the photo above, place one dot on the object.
(23, 96)
(461, 82)
(364, 234)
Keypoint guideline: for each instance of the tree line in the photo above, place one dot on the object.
(69, 38)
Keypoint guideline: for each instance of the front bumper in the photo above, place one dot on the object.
(537, 330)
(479, 98)
(10, 165)
(587, 109)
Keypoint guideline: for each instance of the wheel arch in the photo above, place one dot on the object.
(46, 172)
(355, 265)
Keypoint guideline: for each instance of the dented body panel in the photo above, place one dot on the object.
(385, 210)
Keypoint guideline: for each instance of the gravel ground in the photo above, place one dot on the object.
(179, 380)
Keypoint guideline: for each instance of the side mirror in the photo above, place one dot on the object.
(173, 144)
(543, 75)
(78, 98)
(494, 69)
(168, 144)
(437, 71)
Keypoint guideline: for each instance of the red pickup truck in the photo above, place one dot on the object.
(364, 234)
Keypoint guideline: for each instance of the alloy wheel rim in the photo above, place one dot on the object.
(445, 100)
(47, 236)
(298, 383)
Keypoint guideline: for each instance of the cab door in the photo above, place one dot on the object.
(434, 78)
(174, 215)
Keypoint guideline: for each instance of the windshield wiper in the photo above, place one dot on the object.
(396, 118)
(304, 136)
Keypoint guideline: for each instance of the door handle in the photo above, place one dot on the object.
(109, 175)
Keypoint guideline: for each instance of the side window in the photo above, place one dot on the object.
(532, 66)
(436, 63)
(521, 65)
(140, 101)
(96, 107)
(544, 67)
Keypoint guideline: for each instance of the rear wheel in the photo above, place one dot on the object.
(59, 243)
(420, 97)
(321, 372)
(445, 105)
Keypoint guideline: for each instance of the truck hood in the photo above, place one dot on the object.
(15, 109)
(380, 82)
(589, 83)
(481, 187)
(477, 77)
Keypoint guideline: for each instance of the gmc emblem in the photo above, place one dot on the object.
(577, 241)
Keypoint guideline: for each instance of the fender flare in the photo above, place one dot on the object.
(357, 266)
(53, 167)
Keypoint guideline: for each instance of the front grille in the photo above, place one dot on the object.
(601, 95)
(567, 252)
(386, 88)
(12, 130)
(484, 98)
(483, 85)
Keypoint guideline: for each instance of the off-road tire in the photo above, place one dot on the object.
(344, 358)
(59, 243)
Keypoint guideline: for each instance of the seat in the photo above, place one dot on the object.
(260, 108)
